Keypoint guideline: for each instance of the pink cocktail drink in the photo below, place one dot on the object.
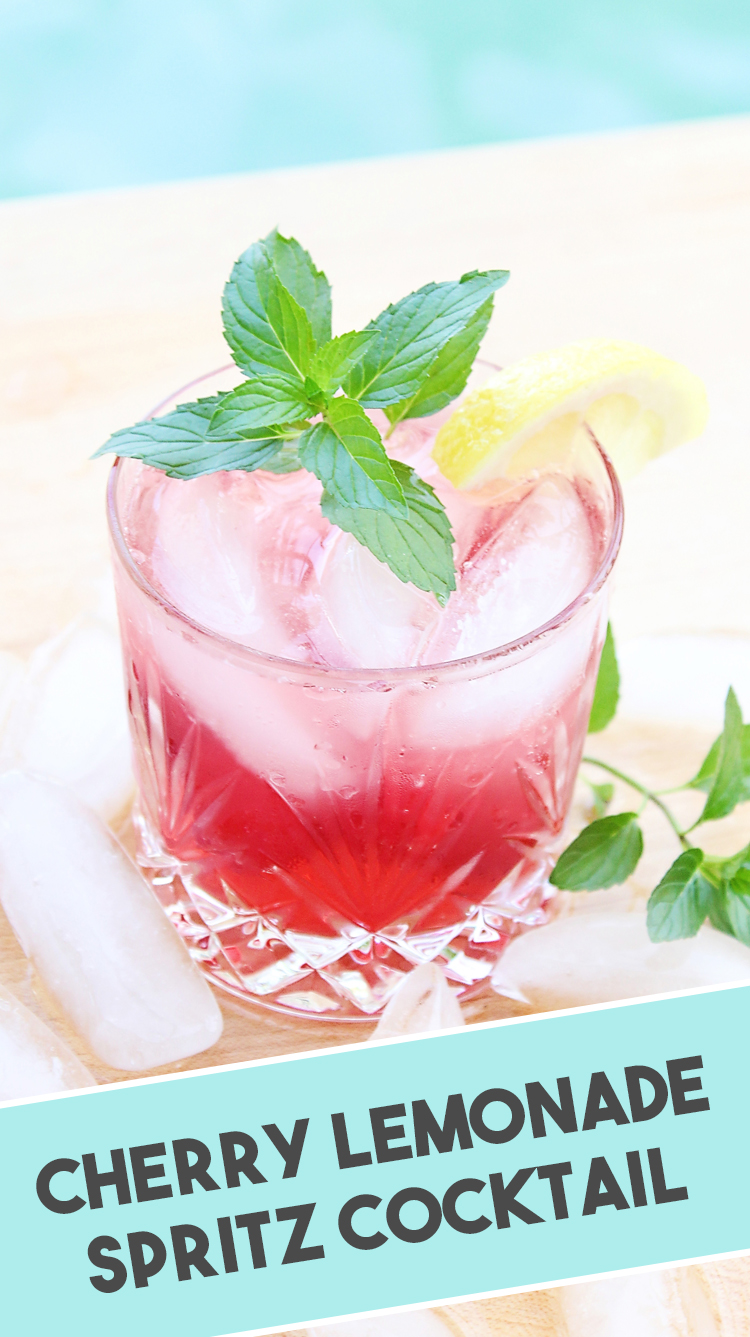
(339, 779)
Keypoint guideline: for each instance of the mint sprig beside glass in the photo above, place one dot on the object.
(303, 402)
(697, 886)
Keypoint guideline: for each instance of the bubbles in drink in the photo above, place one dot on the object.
(527, 564)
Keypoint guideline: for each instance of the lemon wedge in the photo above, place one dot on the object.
(637, 403)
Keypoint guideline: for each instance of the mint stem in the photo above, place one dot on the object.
(648, 794)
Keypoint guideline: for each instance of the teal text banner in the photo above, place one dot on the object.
(274, 1194)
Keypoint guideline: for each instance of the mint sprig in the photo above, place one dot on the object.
(696, 886)
(303, 402)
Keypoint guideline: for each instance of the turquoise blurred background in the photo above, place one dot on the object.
(121, 92)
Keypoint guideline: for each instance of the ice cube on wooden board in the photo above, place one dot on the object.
(605, 955)
(422, 1002)
(33, 1060)
(652, 1304)
(68, 720)
(85, 916)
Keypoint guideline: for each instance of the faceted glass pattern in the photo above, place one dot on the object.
(315, 833)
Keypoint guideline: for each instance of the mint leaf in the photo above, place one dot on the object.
(728, 781)
(729, 906)
(448, 374)
(705, 777)
(607, 690)
(724, 869)
(346, 453)
(308, 285)
(286, 461)
(411, 333)
(603, 855)
(679, 904)
(728, 879)
(417, 547)
(259, 403)
(179, 445)
(737, 905)
(717, 910)
(317, 400)
(265, 326)
(335, 359)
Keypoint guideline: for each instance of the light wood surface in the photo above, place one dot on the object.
(111, 300)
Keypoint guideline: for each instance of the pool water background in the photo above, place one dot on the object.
(101, 93)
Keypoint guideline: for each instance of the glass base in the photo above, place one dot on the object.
(347, 978)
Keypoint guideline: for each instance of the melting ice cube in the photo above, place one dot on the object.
(423, 1002)
(33, 1060)
(11, 676)
(269, 726)
(69, 721)
(251, 557)
(497, 702)
(535, 562)
(600, 956)
(84, 915)
(380, 621)
(653, 1304)
(232, 552)
(204, 562)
